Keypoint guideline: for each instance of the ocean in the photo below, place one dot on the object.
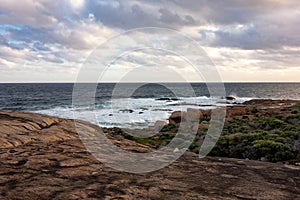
(146, 105)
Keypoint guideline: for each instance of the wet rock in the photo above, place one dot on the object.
(167, 99)
(127, 111)
(162, 110)
(230, 98)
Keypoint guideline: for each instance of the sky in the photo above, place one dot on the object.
(247, 40)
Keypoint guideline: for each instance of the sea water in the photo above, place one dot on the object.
(136, 106)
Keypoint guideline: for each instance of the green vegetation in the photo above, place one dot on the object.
(255, 146)
(274, 137)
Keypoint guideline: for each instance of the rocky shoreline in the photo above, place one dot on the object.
(267, 130)
(42, 157)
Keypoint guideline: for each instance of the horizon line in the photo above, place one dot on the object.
(24, 82)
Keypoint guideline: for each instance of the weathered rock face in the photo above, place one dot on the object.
(191, 115)
(175, 117)
(41, 157)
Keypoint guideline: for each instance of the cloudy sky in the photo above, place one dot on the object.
(247, 40)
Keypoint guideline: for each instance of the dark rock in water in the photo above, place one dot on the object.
(230, 98)
(110, 115)
(141, 112)
(184, 104)
(167, 99)
(127, 111)
(206, 105)
(162, 109)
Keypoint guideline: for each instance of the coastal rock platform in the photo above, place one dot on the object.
(42, 157)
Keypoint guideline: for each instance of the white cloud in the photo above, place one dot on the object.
(77, 4)
(240, 36)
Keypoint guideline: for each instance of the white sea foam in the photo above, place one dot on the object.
(134, 113)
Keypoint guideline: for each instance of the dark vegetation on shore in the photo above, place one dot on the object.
(256, 130)
(274, 137)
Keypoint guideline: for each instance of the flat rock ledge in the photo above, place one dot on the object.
(43, 158)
